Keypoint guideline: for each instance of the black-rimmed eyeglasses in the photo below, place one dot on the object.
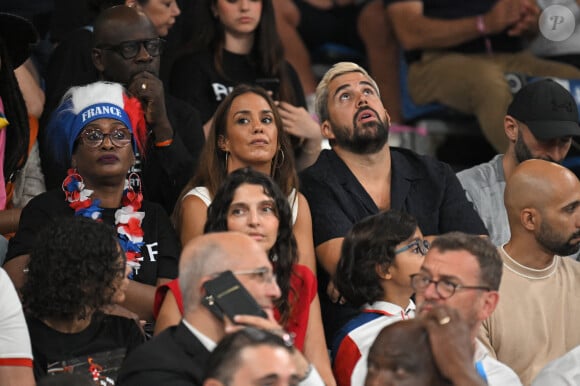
(95, 138)
(445, 288)
(129, 49)
(417, 246)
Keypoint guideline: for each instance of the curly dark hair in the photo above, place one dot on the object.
(370, 243)
(284, 253)
(73, 269)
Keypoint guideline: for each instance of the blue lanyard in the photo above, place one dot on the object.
(481, 371)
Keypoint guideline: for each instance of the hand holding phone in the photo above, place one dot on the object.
(270, 84)
(225, 295)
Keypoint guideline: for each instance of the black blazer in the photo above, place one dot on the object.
(175, 357)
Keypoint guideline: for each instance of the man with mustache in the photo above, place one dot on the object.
(362, 175)
(540, 123)
(463, 273)
(538, 312)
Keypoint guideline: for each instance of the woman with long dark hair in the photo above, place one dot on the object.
(236, 42)
(251, 202)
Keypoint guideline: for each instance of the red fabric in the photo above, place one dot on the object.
(302, 281)
(24, 362)
(160, 293)
(304, 285)
(346, 359)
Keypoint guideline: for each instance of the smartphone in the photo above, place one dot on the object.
(270, 84)
(225, 295)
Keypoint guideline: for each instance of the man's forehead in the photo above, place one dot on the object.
(350, 78)
(118, 31)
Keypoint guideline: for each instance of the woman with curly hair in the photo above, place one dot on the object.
(247, 131)
(77, 268)
(234, 42)
(373, 274)
(250, 202)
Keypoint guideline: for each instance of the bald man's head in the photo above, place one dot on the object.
(543, 199)
(213, 253)
(122, 24)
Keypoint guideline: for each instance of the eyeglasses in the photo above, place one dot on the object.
(130, 48)
(263, 274)
(95, 138)
(444, 288)
(422, 246)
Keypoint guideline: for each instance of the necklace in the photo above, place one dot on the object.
(128, 219)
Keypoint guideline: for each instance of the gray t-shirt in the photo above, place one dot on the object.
(484, 186)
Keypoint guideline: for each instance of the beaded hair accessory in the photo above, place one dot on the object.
(128, 219)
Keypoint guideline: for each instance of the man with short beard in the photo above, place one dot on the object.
(539, 124)
(362, 175)
(537, 315)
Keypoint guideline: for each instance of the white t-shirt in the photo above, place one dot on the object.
(14, 338)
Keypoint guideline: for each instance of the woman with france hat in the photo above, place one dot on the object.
(96, 130)
(20, 170)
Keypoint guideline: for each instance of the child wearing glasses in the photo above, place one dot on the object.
(378, 256)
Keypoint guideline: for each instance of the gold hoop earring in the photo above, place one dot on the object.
(279, 164)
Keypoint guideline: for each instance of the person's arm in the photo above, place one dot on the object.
(315, 344)
(452, 346)
(33, 95)
(9, 219)
(193, 217)
(16, 376)
(298, 122)
(139, 298)
(169, 314)
(416, 31)
(15, 269)
(328, 254)
(303, 233)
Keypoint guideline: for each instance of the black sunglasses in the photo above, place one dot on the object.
(130, 48)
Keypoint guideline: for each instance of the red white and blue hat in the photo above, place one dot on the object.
(84, 104)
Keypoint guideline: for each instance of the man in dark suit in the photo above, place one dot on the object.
(179, 354)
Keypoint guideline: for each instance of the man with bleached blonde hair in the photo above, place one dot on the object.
(362, 175)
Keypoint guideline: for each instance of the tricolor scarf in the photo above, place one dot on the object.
(128, 219)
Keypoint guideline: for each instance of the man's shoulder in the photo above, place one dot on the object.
(327, 169)
(175, 350)
(497, 373)
(484, 174)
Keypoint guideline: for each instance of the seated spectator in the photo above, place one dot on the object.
(20, 170)
(251, 357)
(73, 51)
(250, 202)
(361, 175)
(15, 350)
(76, 268)
(465, 271)
(96, 131)
(378, 255)
(175, 138)
(305, 26)
(247, 131)
(427, 351)
(234, 43)
(539, 287)
(179, 354)
(540, 123)
(458, 53)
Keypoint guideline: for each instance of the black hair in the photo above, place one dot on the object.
(18, 130)
(73, 269)
(267, 53)
(370, 244)
(284, 253)
(225, 358)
